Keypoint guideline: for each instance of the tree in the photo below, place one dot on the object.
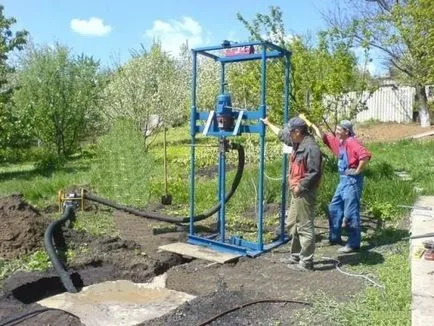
(207, 78)
(10, 125)
(60, 93)
(322, 74)
(402, 31)
(147, 90)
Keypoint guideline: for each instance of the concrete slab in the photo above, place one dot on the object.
(200, 252)
(422, 271)
(119, 302)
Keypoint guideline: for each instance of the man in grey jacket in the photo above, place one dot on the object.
(304, 178)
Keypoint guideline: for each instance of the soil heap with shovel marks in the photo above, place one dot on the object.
(21, 227)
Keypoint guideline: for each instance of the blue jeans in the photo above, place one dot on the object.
(346, 203)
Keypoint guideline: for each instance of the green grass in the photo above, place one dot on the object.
(414, 157)
(374, 306)
(40, 187)
(36, 261)
(390, 306)
(96, 223)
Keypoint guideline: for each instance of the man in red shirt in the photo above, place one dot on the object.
(345, 204)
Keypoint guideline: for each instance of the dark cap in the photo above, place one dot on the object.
(346, 124)
(296, 123)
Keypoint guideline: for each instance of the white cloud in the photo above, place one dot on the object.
(171, 34)
(92, 27)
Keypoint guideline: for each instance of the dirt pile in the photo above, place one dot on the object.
(388, 132)
(22, 227)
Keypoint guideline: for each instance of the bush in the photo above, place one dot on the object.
(50, 162)
(122, 168)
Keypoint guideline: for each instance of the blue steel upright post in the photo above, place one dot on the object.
(193, 134)
(221, 167)
(262, 113)
(285, 155)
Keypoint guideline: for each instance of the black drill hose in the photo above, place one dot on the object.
(168, 219)
(19, 318)
(68, 214)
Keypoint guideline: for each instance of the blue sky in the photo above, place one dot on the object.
(108, 30)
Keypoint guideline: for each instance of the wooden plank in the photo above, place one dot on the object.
(200, 252)
(422, 135)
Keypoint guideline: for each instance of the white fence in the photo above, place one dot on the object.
(389, 104)
(386, 104)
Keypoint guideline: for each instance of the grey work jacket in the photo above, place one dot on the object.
(308, 152)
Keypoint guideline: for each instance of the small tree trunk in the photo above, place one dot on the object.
(422, 104)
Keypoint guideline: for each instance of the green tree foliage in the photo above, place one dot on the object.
(207, 79)
(60, 94)
(322, 72)
(11, 125)
(148, 90)
(402, 30)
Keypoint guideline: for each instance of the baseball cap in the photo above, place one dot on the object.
(346, 124)
(296, 123)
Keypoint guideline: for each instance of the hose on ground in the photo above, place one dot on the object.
(179, 221)
(68, 214)
(207, 322)
(16, 319)
(420, 236)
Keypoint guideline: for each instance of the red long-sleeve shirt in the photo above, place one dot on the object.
(356, 152)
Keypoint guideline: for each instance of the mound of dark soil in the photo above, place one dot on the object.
(22, 227)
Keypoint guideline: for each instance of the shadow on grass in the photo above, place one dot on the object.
(30, 174)
(366, 256)
(361, 257)
(386, 236)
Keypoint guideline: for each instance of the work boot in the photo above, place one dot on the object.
(292, 259)
(304, 266)
(328, 242)
(347, 250)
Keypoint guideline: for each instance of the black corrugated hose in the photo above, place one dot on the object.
(68, 214)
(17, 319)
(168, 219)
(209, 321)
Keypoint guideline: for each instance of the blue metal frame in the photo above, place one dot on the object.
(236, 244)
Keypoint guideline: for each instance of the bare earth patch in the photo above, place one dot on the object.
(22, 227)
(389, 132)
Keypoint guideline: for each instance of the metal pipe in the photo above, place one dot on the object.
(165, 162)
(193, 140)
(285, 156)
(263, 113)
(222, 191)
(219, 192)
(222, 79)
